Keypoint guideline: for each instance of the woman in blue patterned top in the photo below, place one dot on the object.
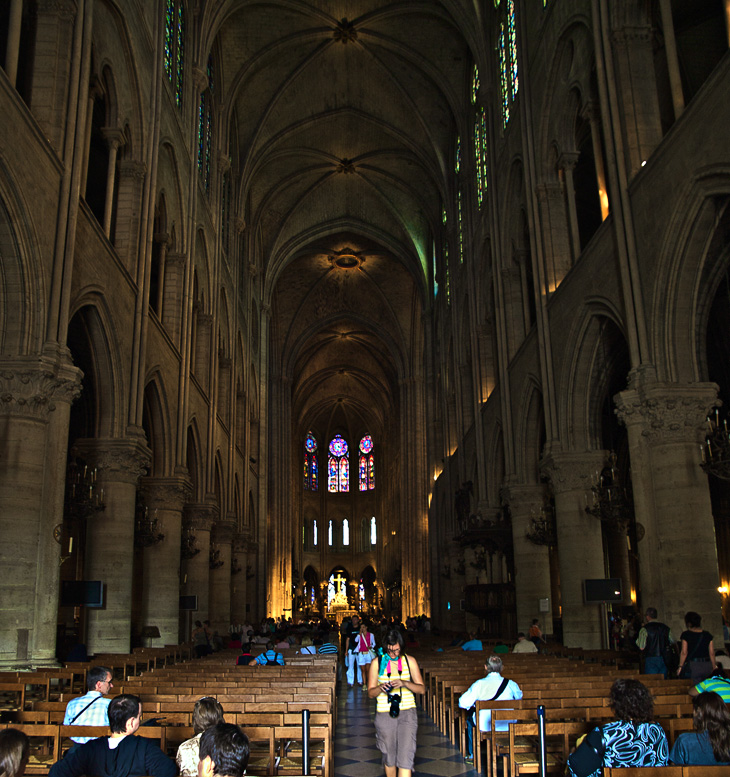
(633, 739)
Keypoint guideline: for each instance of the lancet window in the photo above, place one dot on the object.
(480, 139)
(175, 47)
(205, 128)
(310, 463)
(338, 466)
(367, 464)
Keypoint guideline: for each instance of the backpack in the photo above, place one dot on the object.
(273, 661)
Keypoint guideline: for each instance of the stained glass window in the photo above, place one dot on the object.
(338, 466)
(330, 535)
(314, 532)
(433, 269)
(366, 470)
(457, 156)
(480, 139)
(361, 591)
(345, 532)
(205, 129)
(508, 68)
(475, 85)
(373, 531)
(445, 256)
(175, 46)
(512, 32)
(460, 225)
(310, 462)
(504, 74)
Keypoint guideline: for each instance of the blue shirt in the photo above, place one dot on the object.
(473, 644)
(694, 748)
(327, 648)
(268, 657)
(94, 715)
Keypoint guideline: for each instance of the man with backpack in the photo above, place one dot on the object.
(270, 657)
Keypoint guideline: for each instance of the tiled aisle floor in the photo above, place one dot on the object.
(356, 754)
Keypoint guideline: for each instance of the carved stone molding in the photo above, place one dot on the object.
(65, 10)
(666, 412)
(114, 136)
(166, 493)
(132, 168)
(223, 532)
(199, 517)
(175, 258)
(31, 386)
(628, 37)
(572, 471)
(119, 460)
(522, 498)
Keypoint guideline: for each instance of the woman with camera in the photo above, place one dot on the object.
(393, 680)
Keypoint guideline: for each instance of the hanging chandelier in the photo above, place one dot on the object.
(607, 499)
(715, 450)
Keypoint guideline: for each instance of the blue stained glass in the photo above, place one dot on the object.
(363, 474)
(169, 37)
(332, 475)
(180, 55)
(366, 444)
(310, 442)
(338, 446)
(344, 474)
(504, 75)
(314, 472)
(371, 471)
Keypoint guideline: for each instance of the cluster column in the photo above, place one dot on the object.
(219, 610)
(532, 562)
(198, 519)
(677, 555)
(110, 538)
(580, 543)
(161, 562)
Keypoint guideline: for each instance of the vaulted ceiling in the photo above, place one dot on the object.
(342, 117)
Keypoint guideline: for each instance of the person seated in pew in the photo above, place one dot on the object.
(524, 645)
(245, 658)
(709, 743)
(91, 708)
(206, 713)
(634, 738)
(121, 754)
(329, 647)
(717, 683)
(14, 752)
(473, 643)
(307, 648)
(224, 751)
(493, 687)
(270, 657)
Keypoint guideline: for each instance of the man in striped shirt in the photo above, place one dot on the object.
(716, 683)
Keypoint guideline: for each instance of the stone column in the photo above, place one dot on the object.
(114, 138)
(670, 46)
(161, 562)
(196, 569)
(35, 400)
(580, 544)
(678, 555)
(173, 287)
(239, 563)
(219, 595)
(12, 47)
(567, 162)
(202, 346)
(532, 562)
(556, 237)
(120, 462)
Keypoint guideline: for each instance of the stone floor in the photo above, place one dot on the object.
(356, 754)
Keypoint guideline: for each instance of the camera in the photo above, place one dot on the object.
(394, 701)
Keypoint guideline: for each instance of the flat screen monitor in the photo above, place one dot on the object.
(82, 593)
(602, 590)
(189, 602)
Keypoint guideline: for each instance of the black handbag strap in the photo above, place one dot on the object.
(472, 710)
(78, 715)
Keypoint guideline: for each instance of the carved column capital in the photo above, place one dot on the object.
(114, 136)
(31, 386)
(222, 532)
(568, 160)
(666, 412)
(118, 459)
(572, 471)
(132, 168)
(523, 497)
(199, 517)
(166, 493)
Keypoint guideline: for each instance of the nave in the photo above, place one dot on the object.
(357, 755)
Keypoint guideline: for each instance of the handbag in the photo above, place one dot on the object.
(588, 756)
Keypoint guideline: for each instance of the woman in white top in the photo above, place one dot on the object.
(207, 712)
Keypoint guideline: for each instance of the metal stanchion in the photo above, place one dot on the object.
(305, 741)
(542, 742)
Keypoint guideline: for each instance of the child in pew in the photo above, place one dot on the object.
(14, 752)
(206, 714)
(709, 743)
(224, 750)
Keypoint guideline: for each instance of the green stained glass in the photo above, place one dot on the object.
(512, 30)
(504, 74)
(169, 37)
(457, 162)
(475, 85)
(443, 215)
(447, 277)
(179, 67)
(461, 226)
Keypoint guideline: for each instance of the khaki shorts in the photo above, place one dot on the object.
(396, 738)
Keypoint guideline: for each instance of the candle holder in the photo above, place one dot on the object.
(715, 450)
(609, 501)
